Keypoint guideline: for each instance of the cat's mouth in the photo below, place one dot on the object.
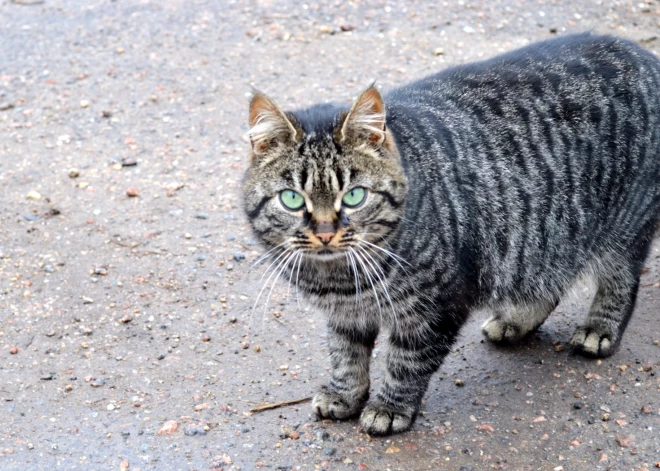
(325, 254)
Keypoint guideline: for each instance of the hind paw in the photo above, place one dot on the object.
(593, 342)
(499, 331)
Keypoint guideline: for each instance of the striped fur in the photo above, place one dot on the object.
(497, 185)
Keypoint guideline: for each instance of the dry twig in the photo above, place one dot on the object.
(279, 404)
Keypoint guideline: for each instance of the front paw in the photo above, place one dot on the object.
(329, 404)
(380, 419)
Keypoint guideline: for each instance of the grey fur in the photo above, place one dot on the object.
(494, 185)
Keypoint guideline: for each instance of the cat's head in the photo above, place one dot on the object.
(325, 180)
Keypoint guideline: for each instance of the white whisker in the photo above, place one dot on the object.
(274, 262)
(378, 272)
(358, 294)
(279, 273)
(265, 255)
(264, 286)
(370, 279)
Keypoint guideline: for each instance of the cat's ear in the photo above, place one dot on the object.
(269, 125)
(365, 122)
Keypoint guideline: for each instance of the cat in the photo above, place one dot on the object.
(489, 185)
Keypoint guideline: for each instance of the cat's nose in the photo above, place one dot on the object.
(325, 231)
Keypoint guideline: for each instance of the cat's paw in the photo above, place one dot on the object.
(380, 419)
(499, 331)
(593, 342)
(328, 404)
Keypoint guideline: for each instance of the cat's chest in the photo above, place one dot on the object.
(358, 296)
(361, 305)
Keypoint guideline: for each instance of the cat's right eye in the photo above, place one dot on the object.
(292, 199)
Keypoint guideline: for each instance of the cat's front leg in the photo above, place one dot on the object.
(412, 359)
(348, 388)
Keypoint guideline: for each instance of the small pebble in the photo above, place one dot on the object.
(84, 103)
(577, 405)
(74, 173)
(439, 51)
(13, 350)
(459, 382)
(329, 451)
(33, 195)
(239, 256)
(202, 216)
(192, 430)
(168, 428)
(132, 192)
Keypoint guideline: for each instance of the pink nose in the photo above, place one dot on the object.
(325, 231)
(325, 236)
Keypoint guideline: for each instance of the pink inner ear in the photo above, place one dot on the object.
(374, 96)
(366, 119)
(259, 105)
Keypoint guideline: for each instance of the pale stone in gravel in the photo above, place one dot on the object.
(168, 428)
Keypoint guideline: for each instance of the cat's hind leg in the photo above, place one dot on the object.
(617, 276)
(510, 324)
(612, 307)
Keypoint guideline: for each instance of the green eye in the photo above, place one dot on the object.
(292, 199)
(354, 197)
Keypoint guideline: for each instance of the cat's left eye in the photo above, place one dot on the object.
(354, 198)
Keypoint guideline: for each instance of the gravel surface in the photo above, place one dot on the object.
(127, 335)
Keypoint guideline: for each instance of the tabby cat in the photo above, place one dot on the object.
(490, 185)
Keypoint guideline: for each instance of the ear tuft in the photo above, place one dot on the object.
(269, 126)
(366, 119)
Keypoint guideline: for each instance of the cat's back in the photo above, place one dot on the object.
(533, 160)
(586, 65)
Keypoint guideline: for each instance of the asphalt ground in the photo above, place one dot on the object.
(126, 300)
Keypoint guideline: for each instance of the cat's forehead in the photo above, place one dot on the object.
(321, 166)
